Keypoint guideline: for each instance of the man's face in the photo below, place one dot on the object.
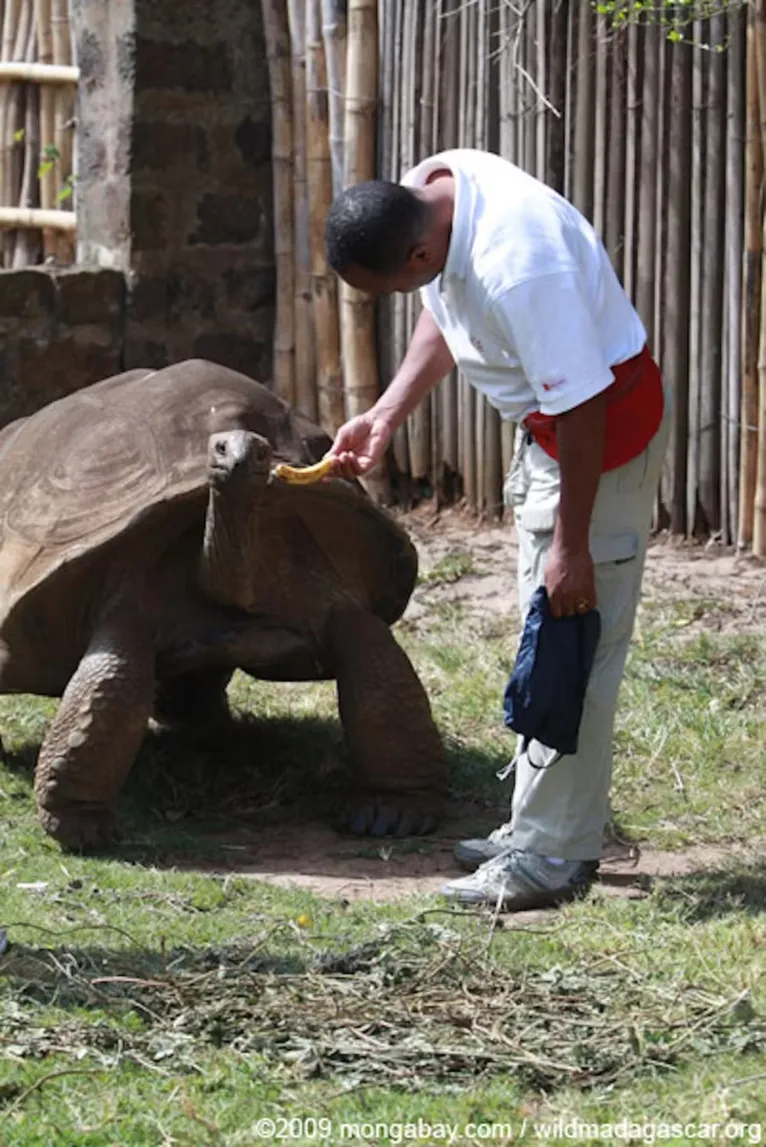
(419, 270)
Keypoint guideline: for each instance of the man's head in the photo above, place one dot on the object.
(382, 237)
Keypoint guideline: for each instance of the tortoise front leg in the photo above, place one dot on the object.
(94, 738)
(394, 745)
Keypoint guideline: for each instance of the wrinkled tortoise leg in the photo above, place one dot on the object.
(194, 702)
(395, 748)
(95, 736)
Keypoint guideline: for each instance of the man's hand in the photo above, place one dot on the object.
(361, 443)
(569, 575)
(569, 580)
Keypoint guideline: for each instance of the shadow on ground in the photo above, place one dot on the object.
(262, 801)
(264, 795)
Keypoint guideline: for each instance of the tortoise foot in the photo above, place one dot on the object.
(378, 814)
(81, 829)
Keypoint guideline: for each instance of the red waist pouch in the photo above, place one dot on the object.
(635, 403)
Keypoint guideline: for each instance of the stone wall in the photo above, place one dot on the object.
(175, 251)
(60, 329)
(174, 179)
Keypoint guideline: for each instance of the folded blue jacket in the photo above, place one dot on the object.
(545, 694)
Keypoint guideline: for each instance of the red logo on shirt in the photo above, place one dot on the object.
(554, 384)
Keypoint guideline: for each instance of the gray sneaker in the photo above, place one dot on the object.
(471, 853)
(518, 881)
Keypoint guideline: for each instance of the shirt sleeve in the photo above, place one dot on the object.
(549, 326)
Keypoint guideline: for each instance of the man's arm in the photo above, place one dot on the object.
(569, 575)
(361, 443)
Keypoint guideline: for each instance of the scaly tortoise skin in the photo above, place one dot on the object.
(147, 551)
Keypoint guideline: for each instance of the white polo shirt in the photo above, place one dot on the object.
(528, 302)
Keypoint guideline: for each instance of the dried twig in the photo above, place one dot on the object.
(17, 1102)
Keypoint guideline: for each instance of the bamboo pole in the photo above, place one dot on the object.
(600, 49)
(397, 304)
(675, 352)
(43, 13)
(555, 149)
(11, 14)
(698, 185)
(584, 133)
(408, 150)
(505, 87)
(357, 309)
(432, 144)
(632, 155)
(483, 477)
(324, 284)
(616, 158)
(33, 73)
(8, 108)
(530, 100)
(759, 503)
(408, 153)
(359, 134)
(712, 282)
(466, 394)
(386, 53)
(305, 358)
(569, 99)
(660, 513)
(335, 35)
(28, 240)
(735, 199)
(751, 288)
(63, 99)
(423, 122)
(660, 211)
(278, 58)
(448, 135)
(542, 80)
(24, 48)
(647, 187)
(14, 217)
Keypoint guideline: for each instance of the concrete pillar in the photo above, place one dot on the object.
(174, 174)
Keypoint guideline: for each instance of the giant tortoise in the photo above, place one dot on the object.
(147, 551)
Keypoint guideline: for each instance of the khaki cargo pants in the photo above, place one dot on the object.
(561, 804)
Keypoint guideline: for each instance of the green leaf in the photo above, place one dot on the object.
(65, 193)
(51, 152)
(18, 135)
(44, 169)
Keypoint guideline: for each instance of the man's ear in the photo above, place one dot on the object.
(418, 257)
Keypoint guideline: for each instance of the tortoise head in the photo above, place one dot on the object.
(238, 456)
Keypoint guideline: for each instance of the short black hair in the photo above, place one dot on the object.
(374, 226)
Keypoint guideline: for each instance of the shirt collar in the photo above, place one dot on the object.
(458, 255)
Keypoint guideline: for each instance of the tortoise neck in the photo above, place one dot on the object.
(227, 562)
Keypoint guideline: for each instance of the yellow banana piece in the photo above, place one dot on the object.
(304, 475)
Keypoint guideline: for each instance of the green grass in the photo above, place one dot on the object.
(450, 568)
(145, 1002)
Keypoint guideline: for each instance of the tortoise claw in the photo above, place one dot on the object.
(390, 816)
(84, 831)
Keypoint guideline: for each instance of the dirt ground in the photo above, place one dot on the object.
(720, 590)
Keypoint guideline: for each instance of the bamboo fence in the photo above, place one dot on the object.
(37, 92)
(659, 142)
